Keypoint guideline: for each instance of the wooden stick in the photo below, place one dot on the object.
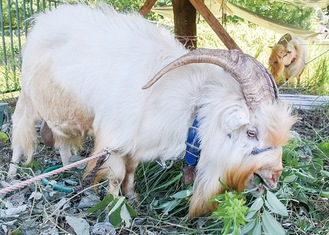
(146, 8)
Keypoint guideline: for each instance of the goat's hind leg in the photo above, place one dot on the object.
(64, 148)
(128, 182)
(24, 138)
(66, 144)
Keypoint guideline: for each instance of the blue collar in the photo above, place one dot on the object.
(193, 150)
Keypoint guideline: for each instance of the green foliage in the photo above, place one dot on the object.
(305, 183)
(10, 13)
(163, 3)
(171, 196)
(320, 82)
(260, 216)
(35, 165)
(10, 78)
(324, 149)
(126, 5)
(173, 205)
(116, 209)
(285, 13)
(16, 13)
(3, 137)
(231, 207)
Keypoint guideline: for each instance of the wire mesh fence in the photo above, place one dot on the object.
(15, 21)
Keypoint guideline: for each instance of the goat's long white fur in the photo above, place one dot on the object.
(83, 73)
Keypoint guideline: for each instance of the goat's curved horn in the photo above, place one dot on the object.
(256, 82)
(285, 39)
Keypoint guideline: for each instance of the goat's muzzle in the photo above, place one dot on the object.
(265, 177)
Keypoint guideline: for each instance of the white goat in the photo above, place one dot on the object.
(83, 73)
(288, 58)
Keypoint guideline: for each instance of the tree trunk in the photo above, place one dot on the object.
(185, 23)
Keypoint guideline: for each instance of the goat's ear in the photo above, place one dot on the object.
(234, 118)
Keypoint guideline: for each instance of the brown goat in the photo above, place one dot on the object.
(288, 58)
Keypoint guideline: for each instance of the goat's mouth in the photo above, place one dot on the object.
(258, 180)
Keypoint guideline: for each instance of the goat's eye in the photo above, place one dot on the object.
(275, 62)
(252, 133)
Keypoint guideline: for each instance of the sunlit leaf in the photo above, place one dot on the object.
(257, 181)
(13, 211)
(223, 184)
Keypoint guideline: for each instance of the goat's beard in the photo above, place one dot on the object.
(239, 178)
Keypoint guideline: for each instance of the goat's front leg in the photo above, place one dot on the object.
(17, 155)
(114, 170)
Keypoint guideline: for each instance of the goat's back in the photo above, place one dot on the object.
(74, 36)
(100, 60)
